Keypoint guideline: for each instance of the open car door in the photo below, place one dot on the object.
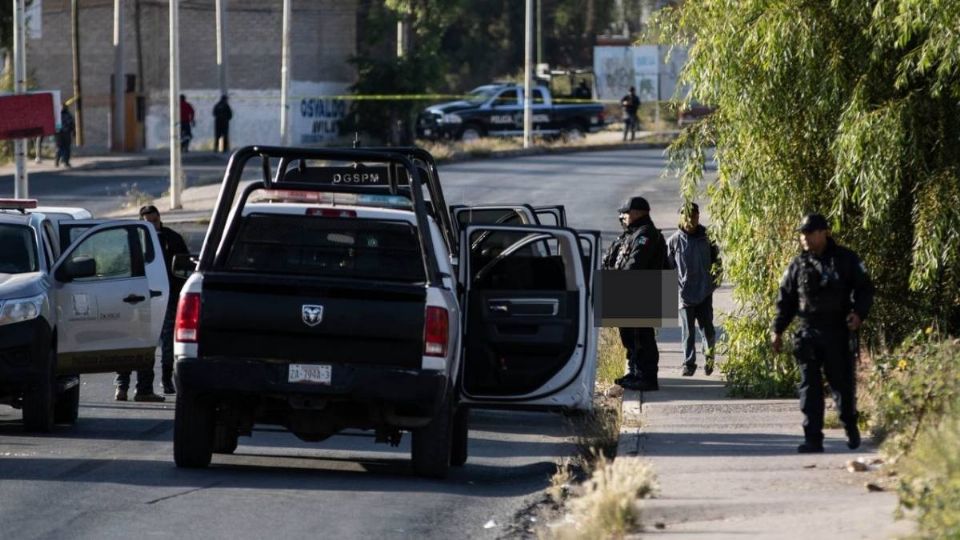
(112, 291)
(552, 216)
(528, 327)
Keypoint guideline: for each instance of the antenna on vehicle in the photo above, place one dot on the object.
(356, 139)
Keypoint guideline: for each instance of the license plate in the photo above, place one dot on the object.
(309, 373)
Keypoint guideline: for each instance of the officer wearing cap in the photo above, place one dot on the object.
(828, 288)
(640, 247)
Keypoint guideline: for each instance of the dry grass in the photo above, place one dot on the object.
(611, 357)
(135, 198)
(597, 433)
(607, 506)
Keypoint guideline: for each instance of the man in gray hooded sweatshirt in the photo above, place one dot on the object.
(697, 261)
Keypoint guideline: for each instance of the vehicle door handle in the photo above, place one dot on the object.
(501, 308)
(134, 299)
(155, 294)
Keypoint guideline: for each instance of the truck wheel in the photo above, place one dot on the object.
(461, 435)
(572, 132)
(192, 432)
(470, 133)
(224, 440)
(38, 399)
(67, 407)
(431, 445)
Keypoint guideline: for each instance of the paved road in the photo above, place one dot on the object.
(112, 475)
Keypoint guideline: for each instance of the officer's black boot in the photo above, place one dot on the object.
(853, 437)
(809, 447)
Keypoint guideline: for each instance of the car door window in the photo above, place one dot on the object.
(507, 98)
(18, 249)
(538, 97)
(111, 250)
(508, 260)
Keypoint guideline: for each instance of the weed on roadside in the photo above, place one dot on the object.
(607, 505)
(135, 198)
(611, 356)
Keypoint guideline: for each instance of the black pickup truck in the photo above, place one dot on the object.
(342, 292)
(497, 110)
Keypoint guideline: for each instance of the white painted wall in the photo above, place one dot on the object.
(256, 115)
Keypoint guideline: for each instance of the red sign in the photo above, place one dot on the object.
(23, 116)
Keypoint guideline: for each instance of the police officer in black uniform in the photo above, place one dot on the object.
(828, 288)
(640, 247)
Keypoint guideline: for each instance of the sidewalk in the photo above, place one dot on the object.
(112, 161)
(729, 468)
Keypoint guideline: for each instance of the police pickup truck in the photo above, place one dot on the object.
(340, 292)
(76, 296)
(497, 110)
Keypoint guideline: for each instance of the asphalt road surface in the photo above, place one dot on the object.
(112, 475)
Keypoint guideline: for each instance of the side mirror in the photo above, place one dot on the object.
(183, 265)
(77, 267)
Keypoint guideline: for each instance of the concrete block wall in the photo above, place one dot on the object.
(323, 37)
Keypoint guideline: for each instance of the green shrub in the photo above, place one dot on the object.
(930, 477)
(912, 388)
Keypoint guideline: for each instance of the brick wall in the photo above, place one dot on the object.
(323, 37)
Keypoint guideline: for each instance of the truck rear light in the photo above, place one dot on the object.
(435, 331)
(187, 328)
(331, 213)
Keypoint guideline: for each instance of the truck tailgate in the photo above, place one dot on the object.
(260, 317)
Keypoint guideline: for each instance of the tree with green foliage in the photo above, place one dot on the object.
(456, 45)
(848, 107)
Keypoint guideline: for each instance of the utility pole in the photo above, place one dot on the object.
(176, 186)
(77, 99)
(118, 141)
(20, 184)
(285, 75)
(221, 52)
(539, 32)
(527, 86)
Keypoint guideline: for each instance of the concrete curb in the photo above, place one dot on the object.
(538, 151)
(630, 424)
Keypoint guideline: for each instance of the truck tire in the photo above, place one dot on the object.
(192, 432)
(572, 132)
(461, 436)
(67, 407)
(432, 444)
(225, 440)
(471, 132)
(38, 399)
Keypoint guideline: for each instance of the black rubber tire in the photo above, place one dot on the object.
(67, 407)
(225, 440)
(461, 437)
(431, 444)
(192, 432)
(471, 132)
(38, 399)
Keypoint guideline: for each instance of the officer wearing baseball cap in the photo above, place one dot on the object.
(828, 288)
(640, 247)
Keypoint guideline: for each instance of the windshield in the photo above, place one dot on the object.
(18, 250)
(481, 94)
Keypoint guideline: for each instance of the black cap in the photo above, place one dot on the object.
(148, 209)
(813, 222)
(635, 203)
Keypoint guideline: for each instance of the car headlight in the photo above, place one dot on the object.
(451, 119)
(20, 309)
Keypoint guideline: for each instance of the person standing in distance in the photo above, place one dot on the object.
(171, 244)
(640, 247)
(630, 104)
(222, 114)
(697, 261)
(828, 288)
(187, 121)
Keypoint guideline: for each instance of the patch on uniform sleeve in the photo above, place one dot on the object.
(863, 267)
(642, 240)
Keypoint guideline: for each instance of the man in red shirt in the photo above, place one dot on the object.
(186, 123)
